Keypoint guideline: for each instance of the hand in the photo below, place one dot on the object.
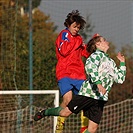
(120, 57)
(101, 89)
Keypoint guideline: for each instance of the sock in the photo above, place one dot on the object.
(86, 131)
(82, 129)
(84, 120)
(53, 111)
(60, 123)
(61, 119)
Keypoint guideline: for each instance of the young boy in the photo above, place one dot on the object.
(93, 94)
(70, 72)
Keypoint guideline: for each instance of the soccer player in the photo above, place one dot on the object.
(70, 72)
(102, 72)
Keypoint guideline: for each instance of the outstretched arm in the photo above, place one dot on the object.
(120, 72)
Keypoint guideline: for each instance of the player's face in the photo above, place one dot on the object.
(74, 28)
(103, 44)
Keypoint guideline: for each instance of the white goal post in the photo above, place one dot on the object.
(21, 92)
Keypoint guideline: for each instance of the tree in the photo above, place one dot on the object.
(6, 37)
(16, 43)
(14, 66)
(44, 58)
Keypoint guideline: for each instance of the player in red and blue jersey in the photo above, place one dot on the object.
(70, 72)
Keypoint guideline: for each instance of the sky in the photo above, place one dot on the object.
(112, 19)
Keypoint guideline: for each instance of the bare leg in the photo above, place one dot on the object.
(65, 112)
(92, 126)
(66, 99)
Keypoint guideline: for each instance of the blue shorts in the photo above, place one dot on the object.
(67, 84)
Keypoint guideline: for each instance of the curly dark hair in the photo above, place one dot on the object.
(74, 16)
(91, 47)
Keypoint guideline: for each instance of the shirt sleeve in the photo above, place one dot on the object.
(120, 73)
(85, 53)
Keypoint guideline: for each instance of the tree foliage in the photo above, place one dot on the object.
(44, 58)
(15, 50)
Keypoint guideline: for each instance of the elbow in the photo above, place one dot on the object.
(121, 81)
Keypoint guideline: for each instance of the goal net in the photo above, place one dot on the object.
(17, 111)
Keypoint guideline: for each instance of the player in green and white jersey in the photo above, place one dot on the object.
(102, 73)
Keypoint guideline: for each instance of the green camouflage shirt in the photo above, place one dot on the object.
(101, 69)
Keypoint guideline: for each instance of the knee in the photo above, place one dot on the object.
(65, 112)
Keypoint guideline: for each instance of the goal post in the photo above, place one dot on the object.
(29, 92)
(56, 92)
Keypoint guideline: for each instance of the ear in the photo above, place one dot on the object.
(98, 44)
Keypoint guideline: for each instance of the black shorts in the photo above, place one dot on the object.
(92, 108)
